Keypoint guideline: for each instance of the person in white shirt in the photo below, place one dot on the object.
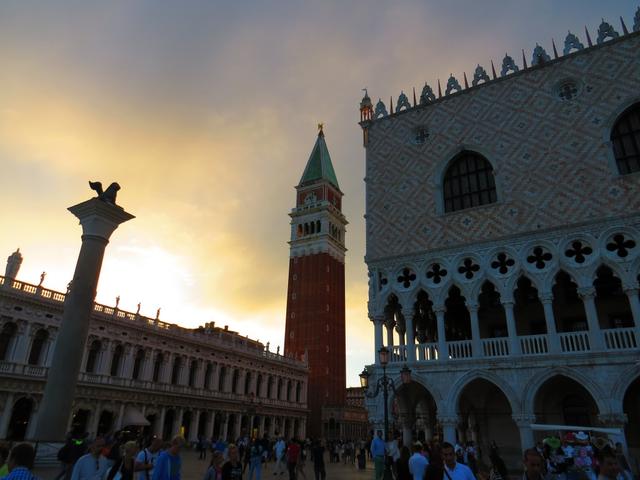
(417, 463)
(93, 465)
(452, 469)
(279, 451)
(146, 459)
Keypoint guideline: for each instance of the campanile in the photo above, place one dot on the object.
(315, 322)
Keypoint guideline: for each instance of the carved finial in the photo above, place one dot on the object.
(414, 97)
(555, 50)
(508, 65)
(480, 75)
(466, 82)
(381, 110)
(524, 60)
(108, 195)
(391, 104)
(570, 43)
(427, 95)
(439, 89)
(605, 30)
(540, 56)
(452, 84)
(589, 42)
(403, 102)
(493, 70)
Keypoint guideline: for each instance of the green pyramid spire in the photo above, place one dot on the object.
(319, 166)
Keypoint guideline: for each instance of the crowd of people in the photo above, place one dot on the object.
(546, 461)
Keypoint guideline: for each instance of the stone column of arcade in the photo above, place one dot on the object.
(99, 218)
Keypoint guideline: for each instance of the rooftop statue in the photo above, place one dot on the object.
(108, 195)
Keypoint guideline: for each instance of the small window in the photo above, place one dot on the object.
(468, 182)
(421, 136)
(568, 91)
(625, 138)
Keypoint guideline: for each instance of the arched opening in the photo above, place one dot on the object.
(270, 387)
(318, 226)
(148, 430)
(457, 321)
(20, 415)
(222, 378)
(528, 310)
(7, 337)
(175, 371)
(36, 355)
(234, 381)
(193, 370)
(298, 391)
(186, 424)
(207, 376)
(247, 383)
(562, 400)
(568, 308)
(612, 303)
(299, 231)
(631, 407)
(486, 416)
(137, 364)
(625, 138)
(202, 424)
(468, 182)
(394, 318)
(157, 366)
(105, 422)
(116, 360)
(312, 228)
(217, 425)
(306, 229)
(279, 394)
(167, 428)
(288, 390)
(491, 317)
(80, 421)
(424, 319)
(92, 356)
(231, 426)
(417, 413)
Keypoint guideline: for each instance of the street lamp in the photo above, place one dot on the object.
(385, 383)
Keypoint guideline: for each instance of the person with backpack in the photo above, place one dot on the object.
(125, 466)
(146, 459)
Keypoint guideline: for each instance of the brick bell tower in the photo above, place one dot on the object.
(315, 295)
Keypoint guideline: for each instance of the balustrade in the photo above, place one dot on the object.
(571, 342)
(620, 339)
(534, 344)
(495, 347)
(427, 351)
(460, 349)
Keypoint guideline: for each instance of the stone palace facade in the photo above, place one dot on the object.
(503, 246)
(205, 381)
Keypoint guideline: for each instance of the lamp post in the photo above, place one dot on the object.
(385, 383)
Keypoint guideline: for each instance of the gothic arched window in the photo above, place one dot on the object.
(92, 357)
(625, 138)
(39, 341)
(468, 182)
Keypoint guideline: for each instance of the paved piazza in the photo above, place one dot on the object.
(194, 469)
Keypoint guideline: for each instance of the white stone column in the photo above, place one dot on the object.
(6, 415)
(183, 374)
(200, 375)
(167, 368)
(304, 428)
(272, 427)
(389, 335)
(177, 422)
(552, 334)
(215, 377)
(33, 421)
(514, 344)
(449, 424)
(443, 354)
(208, 429)
(120, 417)
(524, 421)
(475, 329)
(225, 426)
(378, 322)
(261, 426)
(634, 303)
(595, 334)
(127, 366)
(50, 347)
(95, 420)
(105, 357)
(408, 312)
(147, 366)
(23, 343)
(159, 427)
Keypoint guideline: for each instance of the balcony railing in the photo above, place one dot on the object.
(10, 368)
(615, 339)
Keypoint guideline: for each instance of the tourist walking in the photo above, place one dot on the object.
(255, 454)
(125, 466)
(279, 451)
(378, 451)
(20, 463)
(147, 458)
(169, 463)
(453, 469)
(418, 462)
(293, 456)
(93, 465)
(402, 465)
(232, 469)
(317, 457)
(533, 465)
(214, 472)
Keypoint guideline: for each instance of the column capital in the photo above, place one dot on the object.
(631, 290)
(99, 218)
(472, 306)
(439, 309)
(451, 420)
(545, 297)
(523, 419)
(586, 292)
(507, 302)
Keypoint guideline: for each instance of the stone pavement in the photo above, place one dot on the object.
(194, 469)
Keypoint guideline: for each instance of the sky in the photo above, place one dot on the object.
(205, 112)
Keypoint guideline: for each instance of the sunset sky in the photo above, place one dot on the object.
(205, 112)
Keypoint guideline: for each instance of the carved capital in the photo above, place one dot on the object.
(546, 297)
(631, 290)
(523, 419)
(613, 419)
(472, 306)
(439, 309)
(449, 420)
(586, 292)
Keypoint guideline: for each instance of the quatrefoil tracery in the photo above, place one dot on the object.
(621, 245)
(579, 251)
(468, 268)
(406, 277)
(502, 263)
(539, 258)
(436, 273)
